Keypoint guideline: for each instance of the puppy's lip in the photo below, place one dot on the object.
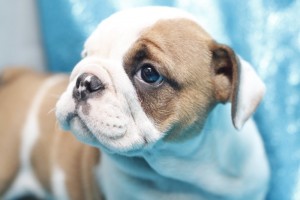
(66, 123)
(71, 116)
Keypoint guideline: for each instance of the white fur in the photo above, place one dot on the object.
(58, 184)
(26, 181)
(251, 90)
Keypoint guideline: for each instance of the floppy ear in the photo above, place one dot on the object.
(236, 81)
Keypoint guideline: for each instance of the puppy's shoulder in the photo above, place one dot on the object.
(10, 74)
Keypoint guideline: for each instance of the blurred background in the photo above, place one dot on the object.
(48, 35)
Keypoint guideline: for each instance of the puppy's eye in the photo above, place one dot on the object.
(148, 74)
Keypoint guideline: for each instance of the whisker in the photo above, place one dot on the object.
(52, 110)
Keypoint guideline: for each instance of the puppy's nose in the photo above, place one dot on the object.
(86, 85)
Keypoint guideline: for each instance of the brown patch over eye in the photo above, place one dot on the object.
(156, 102)
(182, 57)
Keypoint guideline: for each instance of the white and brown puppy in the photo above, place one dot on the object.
(167, 106)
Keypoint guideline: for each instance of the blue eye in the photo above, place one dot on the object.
(149, 74)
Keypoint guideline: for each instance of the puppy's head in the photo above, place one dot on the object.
(150, 73)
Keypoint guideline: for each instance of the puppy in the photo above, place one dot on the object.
(163, 108)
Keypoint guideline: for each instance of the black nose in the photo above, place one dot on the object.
(86, 85)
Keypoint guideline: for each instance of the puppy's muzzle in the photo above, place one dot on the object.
(86, 86)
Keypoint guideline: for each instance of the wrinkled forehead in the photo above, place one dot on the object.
(114, 36)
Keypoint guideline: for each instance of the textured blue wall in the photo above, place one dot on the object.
(266, 33)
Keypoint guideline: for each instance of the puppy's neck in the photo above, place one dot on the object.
(187, 164)
(218, 124)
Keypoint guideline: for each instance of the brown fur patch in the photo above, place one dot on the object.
(179, 49)
(226, 72)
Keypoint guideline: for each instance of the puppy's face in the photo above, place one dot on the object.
(148, 74)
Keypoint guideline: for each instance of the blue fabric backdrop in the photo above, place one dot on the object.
(266, 33)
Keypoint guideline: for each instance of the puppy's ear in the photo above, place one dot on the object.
(235, 81)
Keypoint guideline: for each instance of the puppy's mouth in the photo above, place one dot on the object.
(108, 143)
(74, 122)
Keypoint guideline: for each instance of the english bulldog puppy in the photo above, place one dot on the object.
(158, 108)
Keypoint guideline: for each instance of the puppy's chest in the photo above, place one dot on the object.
(135, 183)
